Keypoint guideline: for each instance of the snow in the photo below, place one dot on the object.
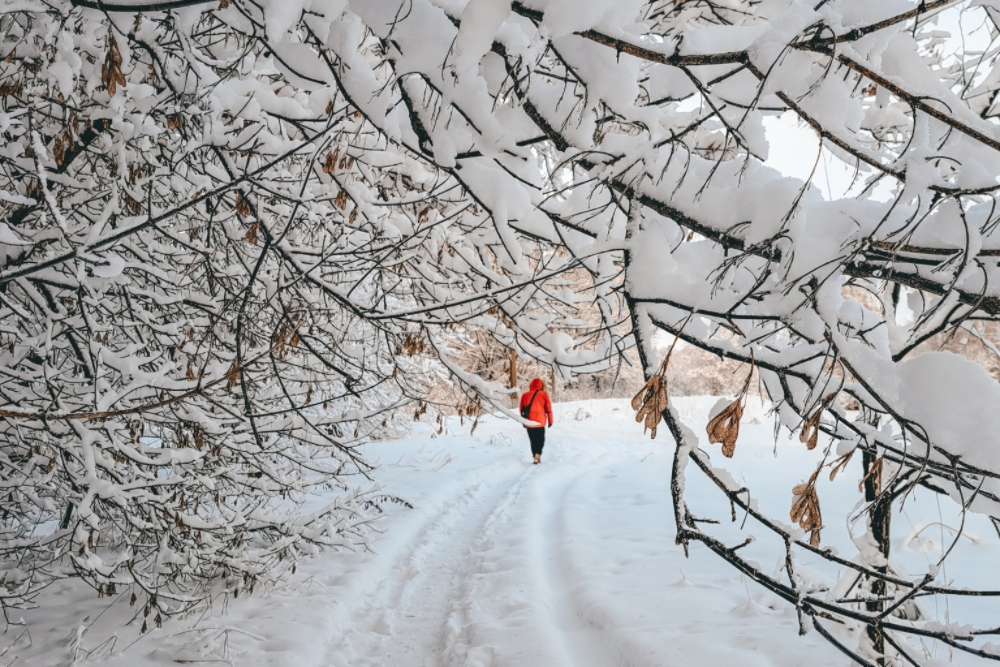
(480, 20)
(499, 563)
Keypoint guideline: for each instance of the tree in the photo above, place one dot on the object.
(632, 135)
(217, 271)
(295, 190)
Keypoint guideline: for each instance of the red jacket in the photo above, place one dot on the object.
(541, 409)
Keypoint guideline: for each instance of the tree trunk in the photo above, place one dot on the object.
(879, 516)
(513, 374)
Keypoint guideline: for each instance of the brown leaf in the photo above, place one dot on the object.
(12, 89)
(810, 430)
(805, 508)
(875, 473)
(840, 464)
(233, 375)
(725, 428)
(242, 205)
(133, 206)
(252, 234)
(330, 163)
(341, 200)
(111, 73)
(650, 403)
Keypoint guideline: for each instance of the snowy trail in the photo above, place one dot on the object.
(566, 564)
(582, 634)
(517, 576)
(500, 563)
(405, 622)
(497, 579)
(428, 611)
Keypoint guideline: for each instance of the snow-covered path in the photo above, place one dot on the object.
(570, 563)
(499, 563)
(408, 614)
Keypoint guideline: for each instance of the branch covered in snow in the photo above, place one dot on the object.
(224, 226)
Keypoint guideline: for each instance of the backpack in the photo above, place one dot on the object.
(526, 410)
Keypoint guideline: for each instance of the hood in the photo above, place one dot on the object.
(536, 384)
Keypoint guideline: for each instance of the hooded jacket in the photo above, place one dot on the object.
(541, 409)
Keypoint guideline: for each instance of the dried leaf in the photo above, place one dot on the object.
(111, 73)
(341, 200)
(805, 508)
(233, 375)
(840, 464)
(12, 89)
(810, 430)
(252, 234)
(330, 163)
(650, 403)
(875, 473)
(242, 205)
(725, 428)
(133, 206)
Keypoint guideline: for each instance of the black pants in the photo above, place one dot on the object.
(537, 438)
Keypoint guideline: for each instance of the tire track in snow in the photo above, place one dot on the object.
(405, 622)
(601, 637)
(518, 606)
(583, 641)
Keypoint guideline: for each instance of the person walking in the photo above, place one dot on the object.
(536, 407)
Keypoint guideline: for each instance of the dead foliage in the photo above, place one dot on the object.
(840, 464)
(111, 73)
(724, 428)
(651, 400)
(412, 343)
(875, 473)
(242, 205)
(805, 508)
(810, 429)
(341, 200)
(330, 163)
